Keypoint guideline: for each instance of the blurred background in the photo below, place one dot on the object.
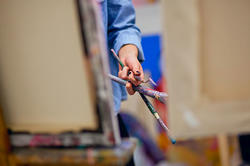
(220, 147)
(191, 152)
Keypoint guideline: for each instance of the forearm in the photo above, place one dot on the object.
(122, 30)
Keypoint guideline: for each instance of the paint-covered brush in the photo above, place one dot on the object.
(149, 105)
(117, 79)
(149, 92)
(152, 81)
(145, 81)
(143, 91)
(161, 96)
(157, 117)
(117, 58)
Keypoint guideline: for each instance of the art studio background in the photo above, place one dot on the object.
(53, 65)
(192, 152)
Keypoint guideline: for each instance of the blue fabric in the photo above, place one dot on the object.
(120, 29)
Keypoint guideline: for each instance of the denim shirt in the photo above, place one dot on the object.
(120, 29)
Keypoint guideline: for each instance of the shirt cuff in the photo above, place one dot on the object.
(129, 39)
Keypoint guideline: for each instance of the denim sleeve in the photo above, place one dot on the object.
(121, 26)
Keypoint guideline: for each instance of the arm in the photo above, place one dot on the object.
(125, 38)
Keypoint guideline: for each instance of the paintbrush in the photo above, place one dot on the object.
(150, 106)
(157, 117)
(161, 96)
(117, 58)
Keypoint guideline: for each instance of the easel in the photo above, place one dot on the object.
(118, 155)
(4, 144)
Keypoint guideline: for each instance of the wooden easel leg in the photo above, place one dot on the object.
(3, 159)
(224, 150)
(4, 142)
(11, 161)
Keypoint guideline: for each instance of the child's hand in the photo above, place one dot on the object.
(128, 55)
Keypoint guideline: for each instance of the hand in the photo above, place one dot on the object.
(128, 55)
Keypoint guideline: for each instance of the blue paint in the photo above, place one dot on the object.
(173, 141)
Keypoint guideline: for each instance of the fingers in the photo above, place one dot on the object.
(139, 76)
(133, 80)
(137, 70)
(126, 74)
(123, 73)
(141, 73)
(129, 88)
(132, 71)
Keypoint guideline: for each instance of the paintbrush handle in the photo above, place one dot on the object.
(157, 117)
(117, 79)
(149, 92)
(117, 58)
(161, 96)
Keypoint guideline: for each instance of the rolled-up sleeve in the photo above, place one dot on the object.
(121, 26)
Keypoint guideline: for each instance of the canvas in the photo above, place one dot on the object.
(52, 73)
(206, 49)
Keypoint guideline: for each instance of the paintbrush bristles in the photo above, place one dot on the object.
(173, 141)
(152, 81)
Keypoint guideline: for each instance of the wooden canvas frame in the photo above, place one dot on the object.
(192, 112)
(96, 49)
